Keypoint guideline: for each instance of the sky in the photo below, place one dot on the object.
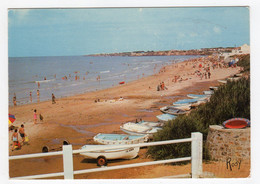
(70, 32)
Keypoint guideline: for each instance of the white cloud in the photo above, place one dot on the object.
(217, 29)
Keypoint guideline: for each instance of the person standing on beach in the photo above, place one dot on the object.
(53, 98)
(15, 139)
(38, 95)
(30, 96)
(22, 133)
(14, 99)
(35, 117)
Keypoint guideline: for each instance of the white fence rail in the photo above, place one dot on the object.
(68, 172)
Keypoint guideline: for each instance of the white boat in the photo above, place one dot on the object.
(198, 103)
(120, 139)
(172, 110)
(210, 92)
(222, 81)
(139, 129)
(234, 78)
(238, 75)
(195, 96)
(166, 117)
(150, 123)
(185, 107)
(108, 154)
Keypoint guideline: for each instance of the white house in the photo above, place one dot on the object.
(244, 49)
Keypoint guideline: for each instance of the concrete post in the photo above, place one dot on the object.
(196, 154)
(68, 162)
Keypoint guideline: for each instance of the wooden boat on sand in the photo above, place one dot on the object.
(236, 123)
(195, 96)
(185, 101)
(185, 107)
(139, 129)
(120, 139)
(104, 154)
(166, 117)
(172, 110)
(210, 92)
(222, 81)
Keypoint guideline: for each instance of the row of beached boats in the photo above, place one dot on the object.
(139, 132)
(232, 78)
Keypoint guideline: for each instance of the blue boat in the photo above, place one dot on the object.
(185, 101)
(166, 117)
(120, 138)
(196, 96)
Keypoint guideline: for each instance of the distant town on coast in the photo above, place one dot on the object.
(203, 51)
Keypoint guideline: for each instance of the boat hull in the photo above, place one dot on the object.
(185, 107)
(196, 96)
(111, 154)
(172, 110)
(236, 123)
(185, 102)
(120, 139)
(135, 129)
(166, 117)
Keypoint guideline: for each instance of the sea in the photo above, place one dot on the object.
(70, 75)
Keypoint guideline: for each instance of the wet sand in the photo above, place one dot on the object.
(78, 118)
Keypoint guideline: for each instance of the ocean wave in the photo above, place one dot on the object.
(50, 80)
(106, 71)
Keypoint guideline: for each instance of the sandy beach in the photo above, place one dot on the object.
(78, 118)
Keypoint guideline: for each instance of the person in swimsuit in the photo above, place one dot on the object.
(15, 139)
(35, 116)
(14, 99)
(53, 98)
(30, 96)
(22, 133)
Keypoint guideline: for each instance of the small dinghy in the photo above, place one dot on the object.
(185, 101)
(120, 139)
(150, 123)
(210, 92)
(166, 117)
(139, 129)
(238, 75)
(172, 110)
(222, 81)
(197, 96)
(104, 154)
(184, 107)
(234, 78)
(236, 123)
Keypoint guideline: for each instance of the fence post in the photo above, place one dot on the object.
(68, 162)
(196, 154)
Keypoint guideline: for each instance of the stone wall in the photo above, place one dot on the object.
(224, 143)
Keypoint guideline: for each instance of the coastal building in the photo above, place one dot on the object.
(228, 56)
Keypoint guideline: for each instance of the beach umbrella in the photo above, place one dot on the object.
(11, 118)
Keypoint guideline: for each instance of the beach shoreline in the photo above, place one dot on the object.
(78, 118)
